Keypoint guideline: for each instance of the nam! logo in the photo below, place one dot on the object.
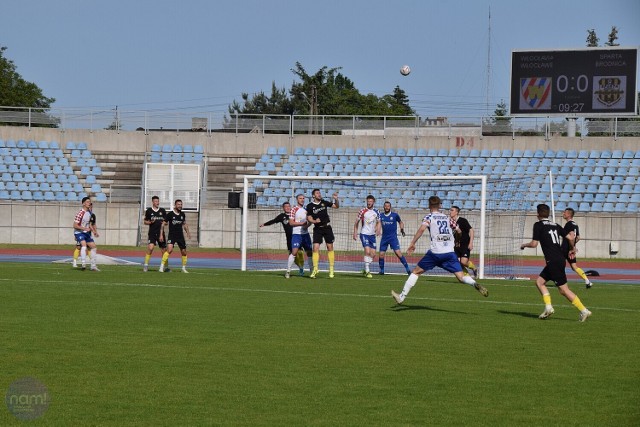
(609, 90)
(27, 399)
(535, 93)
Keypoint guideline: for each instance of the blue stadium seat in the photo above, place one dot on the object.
(155, 148)
(167, 148)
(101, 197)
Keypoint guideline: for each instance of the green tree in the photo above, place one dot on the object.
(613, 36)
(499, 123)
(592, 38)
(325, 92)
(16, 91)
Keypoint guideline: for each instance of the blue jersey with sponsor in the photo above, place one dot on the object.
(389, 224)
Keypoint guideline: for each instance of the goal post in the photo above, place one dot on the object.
(494, 207)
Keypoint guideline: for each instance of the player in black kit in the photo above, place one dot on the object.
(283, 219)
(177, 221)
(549, 234)
(572, 227)
(154, 217)
(317, 214)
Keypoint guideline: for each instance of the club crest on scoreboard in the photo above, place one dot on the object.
(608, 92)
(535, 93)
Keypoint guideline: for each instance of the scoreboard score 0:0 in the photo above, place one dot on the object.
(595, 81)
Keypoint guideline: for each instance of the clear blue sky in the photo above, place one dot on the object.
(201, 55)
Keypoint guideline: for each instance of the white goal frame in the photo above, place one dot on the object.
(372, 178)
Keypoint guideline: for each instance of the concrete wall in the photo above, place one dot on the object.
(118, 224)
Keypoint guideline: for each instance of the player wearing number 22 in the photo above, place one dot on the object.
(548, 234)
(441, 251)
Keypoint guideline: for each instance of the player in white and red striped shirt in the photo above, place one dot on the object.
(369, 222)
(300, 238)
(82, 228)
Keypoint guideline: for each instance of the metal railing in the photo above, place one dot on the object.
(414, 126)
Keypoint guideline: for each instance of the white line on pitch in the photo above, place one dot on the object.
(275, 291)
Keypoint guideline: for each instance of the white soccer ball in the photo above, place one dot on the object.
(405, 70)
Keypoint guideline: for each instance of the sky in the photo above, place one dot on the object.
(200, 55)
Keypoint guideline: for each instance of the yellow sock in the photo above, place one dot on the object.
(332, 259)
(578, 304)
(184, 260)
(76, 254)
(165, 258)
(464, 270)
(147, 257)
(472, 265)
(547, 299)
(316, 260)
(300, 259)
(580, 273)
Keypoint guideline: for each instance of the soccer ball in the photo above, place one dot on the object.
(405, 70)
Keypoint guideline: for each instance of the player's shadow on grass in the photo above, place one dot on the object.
(404, 307)
(519, 313)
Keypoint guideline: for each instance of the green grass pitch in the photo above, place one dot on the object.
(218, 347)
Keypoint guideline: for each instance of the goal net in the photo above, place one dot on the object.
(495, 208)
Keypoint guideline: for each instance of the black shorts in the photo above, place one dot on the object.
(180, 242)
(571, 260)
(323, 233)
(462, 252)
(154, 239)
(554, 271)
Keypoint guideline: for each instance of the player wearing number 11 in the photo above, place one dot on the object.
(548, 234)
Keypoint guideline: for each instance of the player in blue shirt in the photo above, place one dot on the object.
(390, 221)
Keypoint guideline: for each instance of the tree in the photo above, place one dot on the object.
(326, 92)
(592, 38)
(16, 91)
(499, 123)
(613, 36)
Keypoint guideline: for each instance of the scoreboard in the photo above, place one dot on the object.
(594, 81)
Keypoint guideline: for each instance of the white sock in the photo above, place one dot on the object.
(410, 283)
(367, 262)
(94, 256)
(468, 280)
(83, 254)
(290, 261)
